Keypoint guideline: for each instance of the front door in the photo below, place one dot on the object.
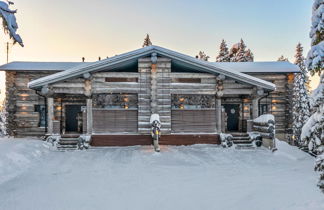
(71, 118)
(232, 111)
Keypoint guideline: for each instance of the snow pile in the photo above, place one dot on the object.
(264, 118)
(16, 156)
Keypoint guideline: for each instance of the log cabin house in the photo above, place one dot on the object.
(111, 100)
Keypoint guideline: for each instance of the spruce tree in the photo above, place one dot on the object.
(249, 57)
(315, 57)
(313, 130)
(300, 97)
(202, 56)
(282, 58)
(147, 41)
(239, 53)
(240, 56)
(223, 55)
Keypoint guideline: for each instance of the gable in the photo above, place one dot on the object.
(129, 58)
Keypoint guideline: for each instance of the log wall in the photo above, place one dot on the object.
(280, 100)
(20, 102)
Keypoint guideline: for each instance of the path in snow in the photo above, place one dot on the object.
(192, 177)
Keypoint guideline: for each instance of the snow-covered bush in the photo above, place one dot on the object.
(226, 140)
(300, 97)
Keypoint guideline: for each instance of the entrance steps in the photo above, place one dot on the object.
(242, 141)
(68, 142)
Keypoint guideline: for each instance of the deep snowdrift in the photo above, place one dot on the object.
(192, 177)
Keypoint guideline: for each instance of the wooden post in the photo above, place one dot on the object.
(218, 115)
(255, 108)
(89, 116)
(50, 115)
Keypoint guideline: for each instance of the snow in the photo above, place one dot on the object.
(264, 118)
(39, 66)
(183, 177)
(9, 22)
(260, 67)
(16, 156)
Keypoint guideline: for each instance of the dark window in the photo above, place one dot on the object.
(115, 101)
(264, 108)
(187, 80)
(42, 115)
(120, 79)
(193, 101)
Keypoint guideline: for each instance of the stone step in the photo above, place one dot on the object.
(240, 138)
(72, 142)
(242, 141)
(244, 146)
(69, 139)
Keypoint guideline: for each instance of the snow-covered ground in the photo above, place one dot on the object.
(32, 177)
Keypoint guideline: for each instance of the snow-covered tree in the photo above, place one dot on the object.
(282, 58)
(313, 130)
(249, 56)
(147, 41)
(202, 56)
(9, 22)
(300, 96)
(239, 53)
(3, 130)
(223, 55)
(315, 57)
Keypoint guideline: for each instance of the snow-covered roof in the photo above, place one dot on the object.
(118, 60)
(244, 67)
(38, 66)
(260, 67)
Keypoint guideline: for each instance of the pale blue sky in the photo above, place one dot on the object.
(66, 30)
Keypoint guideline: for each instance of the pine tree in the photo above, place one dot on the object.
(282, 58)
(223, 55)
(202, 56)
(315, 57)
(147, 41)
(238, 53)
(300, 97)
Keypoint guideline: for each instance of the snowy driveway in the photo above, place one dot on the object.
(194, 177)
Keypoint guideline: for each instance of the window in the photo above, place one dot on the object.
(186, 80)
(42, 115)
(115, 101)
(264, 109)
(121, 79)
(193, 101)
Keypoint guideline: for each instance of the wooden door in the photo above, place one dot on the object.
(233, 115)
(71, 117)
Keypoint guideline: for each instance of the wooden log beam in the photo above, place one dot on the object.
(89, 116)
(50, 115)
